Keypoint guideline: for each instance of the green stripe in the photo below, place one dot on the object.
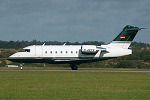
(52, 60)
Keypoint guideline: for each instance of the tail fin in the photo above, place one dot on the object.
(124, 39)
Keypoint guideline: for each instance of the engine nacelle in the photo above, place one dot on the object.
(88, 49)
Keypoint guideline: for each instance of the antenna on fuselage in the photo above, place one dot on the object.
(43, 44)
(64, 44)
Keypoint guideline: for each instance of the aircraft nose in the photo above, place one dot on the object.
(10, 58)
(13, 59)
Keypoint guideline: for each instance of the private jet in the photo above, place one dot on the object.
(77, 54)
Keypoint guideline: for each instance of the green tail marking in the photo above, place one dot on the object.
(127, 34)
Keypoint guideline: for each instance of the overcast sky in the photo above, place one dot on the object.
(72, 20)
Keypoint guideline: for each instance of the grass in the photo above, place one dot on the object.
(74, 85)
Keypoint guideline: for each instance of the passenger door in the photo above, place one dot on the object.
(38, 52)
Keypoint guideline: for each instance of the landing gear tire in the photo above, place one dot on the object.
(21, 66)
(73, 66)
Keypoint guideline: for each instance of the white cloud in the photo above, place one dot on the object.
(71, 19)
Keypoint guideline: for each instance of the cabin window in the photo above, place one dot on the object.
(46, 52)
(55, 51)
(71, 51)
(76, 51)
(25, 50)
(51, 52)
(61, 52)
(66, 52)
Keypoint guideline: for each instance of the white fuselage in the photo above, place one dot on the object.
(67, 53)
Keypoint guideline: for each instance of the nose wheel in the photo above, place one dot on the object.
(73, 66)
(21, 66)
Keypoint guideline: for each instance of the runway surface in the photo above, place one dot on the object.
(98, 70)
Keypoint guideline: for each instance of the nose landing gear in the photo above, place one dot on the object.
(21, 66)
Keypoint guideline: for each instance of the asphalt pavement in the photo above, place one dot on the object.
(98, 70)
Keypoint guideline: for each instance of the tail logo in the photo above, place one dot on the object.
(122, 36)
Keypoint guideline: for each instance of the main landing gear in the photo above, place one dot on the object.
(73, 66)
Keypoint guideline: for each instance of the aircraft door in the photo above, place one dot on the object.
(38, 52)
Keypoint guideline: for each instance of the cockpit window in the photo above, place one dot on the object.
(25, 50)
